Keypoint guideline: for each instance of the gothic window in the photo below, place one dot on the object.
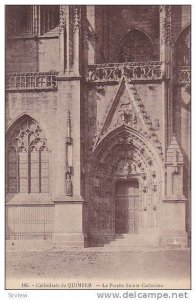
(183, 48)
(27, 158)
(49, 17)
(33, 20)
(19, 19)
(136, 46)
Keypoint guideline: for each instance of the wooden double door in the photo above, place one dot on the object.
(127, 207)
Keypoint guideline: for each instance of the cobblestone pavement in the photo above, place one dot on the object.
(95, 265)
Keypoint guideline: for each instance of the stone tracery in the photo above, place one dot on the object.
(28, 160)
(135, 47)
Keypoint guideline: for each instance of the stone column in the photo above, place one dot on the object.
(62, 38)
(76, 40)
(166, 49)
(35, 20)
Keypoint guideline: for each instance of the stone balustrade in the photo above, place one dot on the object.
(112, 72)
(31, 81)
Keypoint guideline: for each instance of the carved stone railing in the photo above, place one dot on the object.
(183, 75)
(131, 70)
(31, 81)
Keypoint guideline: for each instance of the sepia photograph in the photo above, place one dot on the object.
(97, 147)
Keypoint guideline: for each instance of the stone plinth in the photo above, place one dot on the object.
(68, 229)
(173, 233)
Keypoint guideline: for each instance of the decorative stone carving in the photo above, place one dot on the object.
(121, 159)
(100, 92)
(154, 182)
(76, 19)
(127, 115)
(174, 167)
(183, 75)
(31, 81)
(130, 70)
(188, 89)
(69, 129)
(156, 124)
(26, 134)
(144, 183)
(183, 78)
(127, 110)
(68, 184)
(61, 21)
(123, 168)
(69, 154)
(166, 33)
(26, 146)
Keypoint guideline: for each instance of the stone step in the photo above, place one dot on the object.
(133, 240)
(111, 248)
(130, 241)
(140, 239)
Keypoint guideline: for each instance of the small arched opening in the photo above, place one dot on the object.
(136, 46)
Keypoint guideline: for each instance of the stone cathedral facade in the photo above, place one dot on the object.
(97, 125)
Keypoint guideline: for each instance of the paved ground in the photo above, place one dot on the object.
(159, 266)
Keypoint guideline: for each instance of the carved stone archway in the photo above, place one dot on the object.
(124, 154)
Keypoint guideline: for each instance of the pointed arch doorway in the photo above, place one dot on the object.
(127, 206)
(124, 188)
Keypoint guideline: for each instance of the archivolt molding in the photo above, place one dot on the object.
(125, 137)
(123, 155)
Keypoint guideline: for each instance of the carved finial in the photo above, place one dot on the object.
(61, 21)
(166, 32)
(76, 19)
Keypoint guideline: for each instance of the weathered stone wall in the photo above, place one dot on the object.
(41, 106)
(29, 55)
(49, 54)
(21, 55)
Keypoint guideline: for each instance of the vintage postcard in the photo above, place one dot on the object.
(97, 119)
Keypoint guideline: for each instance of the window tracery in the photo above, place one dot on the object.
(25, 20)
(135, 47)
(28, 158)
(183, 48)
